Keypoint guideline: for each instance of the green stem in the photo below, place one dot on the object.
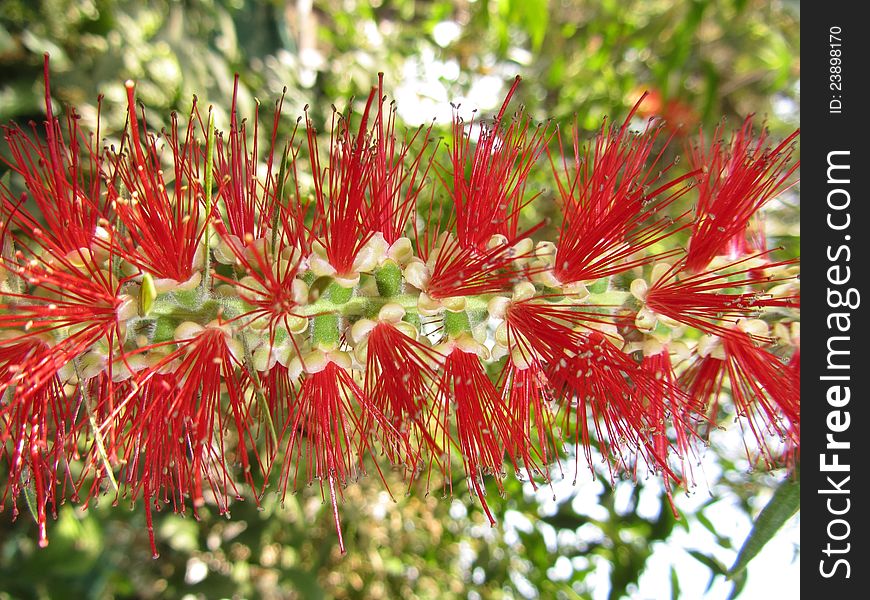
(92, 420)
(282, 174)
(258, 390)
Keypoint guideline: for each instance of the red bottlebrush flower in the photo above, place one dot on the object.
(488, 192)
(36, 419)
(610, 212)
(324, 429)
(250, 204)
(61, 178)
(397, 176)
(604, 385)
(737, 180)
(370, 186)
(527, 396)
(398, 381)
(343, 217)
(309, 310)
(483, 427)
(488, 185)
(756, 374)
(174, 424)
(765, 395)
(458, 271)
(270, 287)
(596, 380)
(163, 228)
(703, 301)
(670, 411)
(72, 292)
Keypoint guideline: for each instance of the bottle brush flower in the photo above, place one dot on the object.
(183, 321)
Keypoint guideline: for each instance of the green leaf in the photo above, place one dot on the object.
(711, 563)
(675, 584)
(739, 584)
(533, 16)
(30, 500)
(722, 540)
(786, 501)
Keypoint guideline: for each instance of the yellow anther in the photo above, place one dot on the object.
(147, 294)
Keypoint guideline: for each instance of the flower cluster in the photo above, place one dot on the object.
(183, 322)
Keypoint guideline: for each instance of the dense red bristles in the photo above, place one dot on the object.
(672, 414)
(540, 314)
(399, 380)
(736, 180)
(163, 224)
(68, 292)
(467, 400)
(278, 391)
(765, 393)
(459, 271)
(488, 183)
(326, 434)
(604, 385)
(36, 418)
(711, 300)
(250, 202)
(488, 191)
(62, 178)
(397, 176)
(526, 394)
(174, 425)
(611, 211)
(98, 393)
(597, 382)
(271, 295)
(343, 218)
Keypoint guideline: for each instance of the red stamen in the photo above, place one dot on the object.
(737, 180)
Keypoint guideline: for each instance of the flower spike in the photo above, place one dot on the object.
(191, 317)
(611, 211)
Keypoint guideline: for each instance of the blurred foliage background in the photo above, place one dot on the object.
(701, 61)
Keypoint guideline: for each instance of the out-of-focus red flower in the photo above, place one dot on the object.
(679, 116)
